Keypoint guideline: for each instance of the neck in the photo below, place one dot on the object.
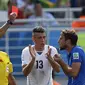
(69, 48)
(39, 48)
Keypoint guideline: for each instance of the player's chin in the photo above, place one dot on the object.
(62, 48)
(43, 44)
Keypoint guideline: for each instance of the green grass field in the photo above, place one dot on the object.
(81, 40)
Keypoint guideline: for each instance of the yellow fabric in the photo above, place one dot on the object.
(5, 68)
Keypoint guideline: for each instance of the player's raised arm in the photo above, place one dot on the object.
(28, 67)
(9, 22)
(54, 64)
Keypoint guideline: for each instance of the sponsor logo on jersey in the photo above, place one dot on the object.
(76, 55)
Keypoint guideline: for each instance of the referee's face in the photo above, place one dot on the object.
(39, 39)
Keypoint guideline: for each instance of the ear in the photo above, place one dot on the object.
(68, 41)
(32, 38)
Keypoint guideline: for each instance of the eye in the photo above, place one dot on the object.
(44, 37)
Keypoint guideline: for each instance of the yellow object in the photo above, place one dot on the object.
(5, 68)
(47, 3)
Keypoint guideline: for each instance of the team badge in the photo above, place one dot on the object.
(76, 55)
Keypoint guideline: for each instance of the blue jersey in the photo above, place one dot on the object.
(77, 55)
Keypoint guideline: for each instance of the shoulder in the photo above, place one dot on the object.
(4, 56)
(26, 49)
(3, 53)
(78, 51)
(52, 47)
(77, 54)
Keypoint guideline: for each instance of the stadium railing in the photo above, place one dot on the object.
(19, 36)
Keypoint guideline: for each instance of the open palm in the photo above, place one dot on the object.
(32, 51)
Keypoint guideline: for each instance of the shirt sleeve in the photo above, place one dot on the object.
(54, 51)
(76, 57)
(10, 67)
(23, 58)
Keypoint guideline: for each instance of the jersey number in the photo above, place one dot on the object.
(39, 64)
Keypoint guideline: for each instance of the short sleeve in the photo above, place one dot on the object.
(23, 58)
(10, 67)
(76, 57)
(54, 51)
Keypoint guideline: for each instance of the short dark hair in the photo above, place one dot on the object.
(38, 29)
(70, 34)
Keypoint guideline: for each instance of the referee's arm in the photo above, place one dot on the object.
(4, 28)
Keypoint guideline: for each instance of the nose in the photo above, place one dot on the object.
(58, 40)
(43, 39)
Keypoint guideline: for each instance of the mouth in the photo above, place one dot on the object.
(42, 44)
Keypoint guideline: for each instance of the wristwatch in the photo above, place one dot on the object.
(9, 22)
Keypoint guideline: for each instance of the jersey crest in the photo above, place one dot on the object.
(76, 55)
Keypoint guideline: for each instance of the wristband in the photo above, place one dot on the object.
(9, 22)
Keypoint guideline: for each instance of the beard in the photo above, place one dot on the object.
(63, 48)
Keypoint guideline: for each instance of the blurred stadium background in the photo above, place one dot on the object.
(18, 36)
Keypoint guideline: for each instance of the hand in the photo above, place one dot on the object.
(32, 52)
(49, 52)
(12, 16)
(57, 57)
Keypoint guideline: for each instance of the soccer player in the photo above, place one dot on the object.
(75, 69)
(4, 28)
(5, 64)
(6, 70)
(37, 60)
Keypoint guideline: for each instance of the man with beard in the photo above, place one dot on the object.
(75, 69)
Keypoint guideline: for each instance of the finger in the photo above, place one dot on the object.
(55, 58)
(57, 55)
(12, 16)
(46, 54)
(30, 49)
(48, 47)
(49, 50)
(29, 46)
(34, 51)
